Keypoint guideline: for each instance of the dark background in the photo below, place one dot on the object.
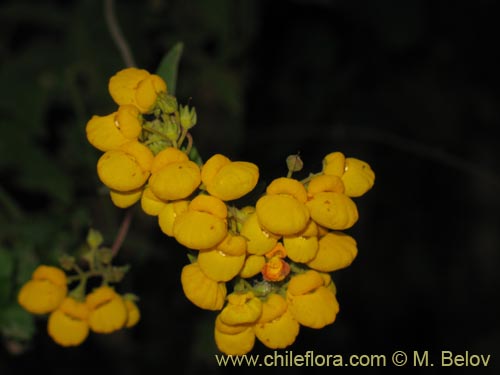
(411, 87)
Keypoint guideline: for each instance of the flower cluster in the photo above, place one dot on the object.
(74, 313)
(265, 267)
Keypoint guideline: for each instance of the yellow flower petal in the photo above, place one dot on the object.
(168, 156)
(282, 214)
(289, 186)
(147, 92)
(358, 177)
(45, 291)
(212, 166)
(233, 245)
(129, 121)
(259, 240)
(253, 265)
(176, 180)
(68, 324)
(337, 250)
(211, 205)
(199, 230)
(333, 210)
(324, 183)
(301, 249)
(103, 134)
(242, 308)
(315, 309)
(168, 215)
(234, 180)
(278, 333)
(202, 290)
(108, 312)
(334, 164)
(123, 85)
(235, 344)
(219, 266)
(150, 203)
(125, 199)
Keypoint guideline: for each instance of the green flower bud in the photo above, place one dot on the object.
(188, 117)
(94, 239)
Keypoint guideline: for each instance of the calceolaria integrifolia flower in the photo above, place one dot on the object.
(264, 268)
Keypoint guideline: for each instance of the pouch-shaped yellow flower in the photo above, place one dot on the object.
(281, 214)
(253, 265)
(45, 291)
(168, 215)
(229, 180)
(310, 302)
(125, 169)
(125, 199)
(104, 134)
(233, 340)
(67, 325)
(129, 121)
(242, 308)
(334, 164)
(107, 310)
(333, 210)
(259, 241)
(276, 327)
(201, 290)
(218, 265)
(203, 224)
(150, 203)
(177, 180)
(137, 87)
(358, 177)
(337, 250)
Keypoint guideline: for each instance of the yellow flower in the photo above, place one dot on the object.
(108, 311)
(218, 265)
(127, 168)
(229, 180)
(67, 325)
(323, 183)
(242, 308)
(137, 87)
(125, 199)
(174, 176)
(259, 240)
(203, 225)
(311, 303)
(133, 313)
(303, 246)
(333, 210)
(334, 164)
(253, 265)
(45, 291)
(168, 215)
(103, 133)
(337, 250)
(358, 177)
(150, 203)
(201, 290)
(282, 210)
(276, 327)
(233, 340)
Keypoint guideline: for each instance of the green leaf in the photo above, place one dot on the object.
(169, 67)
